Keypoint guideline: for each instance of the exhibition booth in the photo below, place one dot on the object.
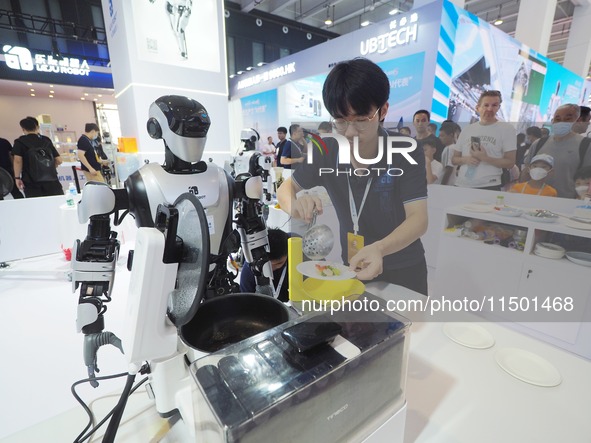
(507, 361)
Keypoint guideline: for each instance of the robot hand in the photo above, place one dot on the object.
(92, 342)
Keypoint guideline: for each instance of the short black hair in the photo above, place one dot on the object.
(90, 127)
(585, 111)
(293, 128)
(277, 243)
(29, 124)
(422, 111)
(282, 129)
(583, 173)
(535, 131)
(356, 86)
(448, 127)
(325, 126)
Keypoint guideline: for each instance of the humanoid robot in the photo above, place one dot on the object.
(150, 195)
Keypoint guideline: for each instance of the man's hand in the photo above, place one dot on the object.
(471, 161)
(480, 155)
(94, 172)
(368, 262)
(303, 207)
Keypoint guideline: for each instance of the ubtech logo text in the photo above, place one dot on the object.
(18, 58)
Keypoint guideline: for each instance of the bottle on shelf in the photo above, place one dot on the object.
(71, 195)
(500, 202)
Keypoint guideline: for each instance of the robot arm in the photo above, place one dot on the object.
(252, 230)
(93, 268)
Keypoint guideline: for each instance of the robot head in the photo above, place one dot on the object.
(249, 136)
(182, 123)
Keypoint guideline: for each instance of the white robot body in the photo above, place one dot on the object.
(148, 333)
(161, 187)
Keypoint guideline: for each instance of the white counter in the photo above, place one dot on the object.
(455, 394)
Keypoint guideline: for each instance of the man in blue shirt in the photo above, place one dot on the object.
(382, 213)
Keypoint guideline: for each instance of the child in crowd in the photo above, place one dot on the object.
(583, 183)
(541, 165)
(433, 168)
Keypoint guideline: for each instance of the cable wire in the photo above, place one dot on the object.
(81, 437)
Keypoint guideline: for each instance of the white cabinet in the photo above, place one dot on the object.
(546, 298)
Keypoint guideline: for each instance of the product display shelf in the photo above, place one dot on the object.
(544, 297)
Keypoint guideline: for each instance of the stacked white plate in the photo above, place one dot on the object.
(549, 250)
(580, 258)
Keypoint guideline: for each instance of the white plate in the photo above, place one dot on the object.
(577, 225)
(478, 207)
(531, 217)
(547, 255)
(469, 334)
(308, 268)
(580, 258)
(510, 212)
(528, 367)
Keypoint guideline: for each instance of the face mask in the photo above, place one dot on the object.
(538, 173)
(561, 128)
(581, 190)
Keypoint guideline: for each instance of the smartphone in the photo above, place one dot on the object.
(475, 143)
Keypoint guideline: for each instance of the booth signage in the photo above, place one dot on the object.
(402, 32)
(21, 59)
(265, 76)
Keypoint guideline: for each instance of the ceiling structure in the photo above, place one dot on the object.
(348, 15)
(14, 88)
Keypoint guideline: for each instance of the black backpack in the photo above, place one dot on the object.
(40, 162)
(582, 148)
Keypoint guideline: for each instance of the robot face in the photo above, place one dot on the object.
(182, 123)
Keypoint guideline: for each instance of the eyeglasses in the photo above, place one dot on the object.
(360, 124)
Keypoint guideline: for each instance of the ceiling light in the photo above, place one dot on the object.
(32, 90)
(240, 72)
(51, 86)
(100, 95)
(259, 64)
(249, 68)
(82, 98)
(394, 11)
(499, 20)
(232, 75)
(365, 23)
(29, 84)
(328, 20)
(86, 94)
(51, 92)
(32, 95)
(50, 96)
